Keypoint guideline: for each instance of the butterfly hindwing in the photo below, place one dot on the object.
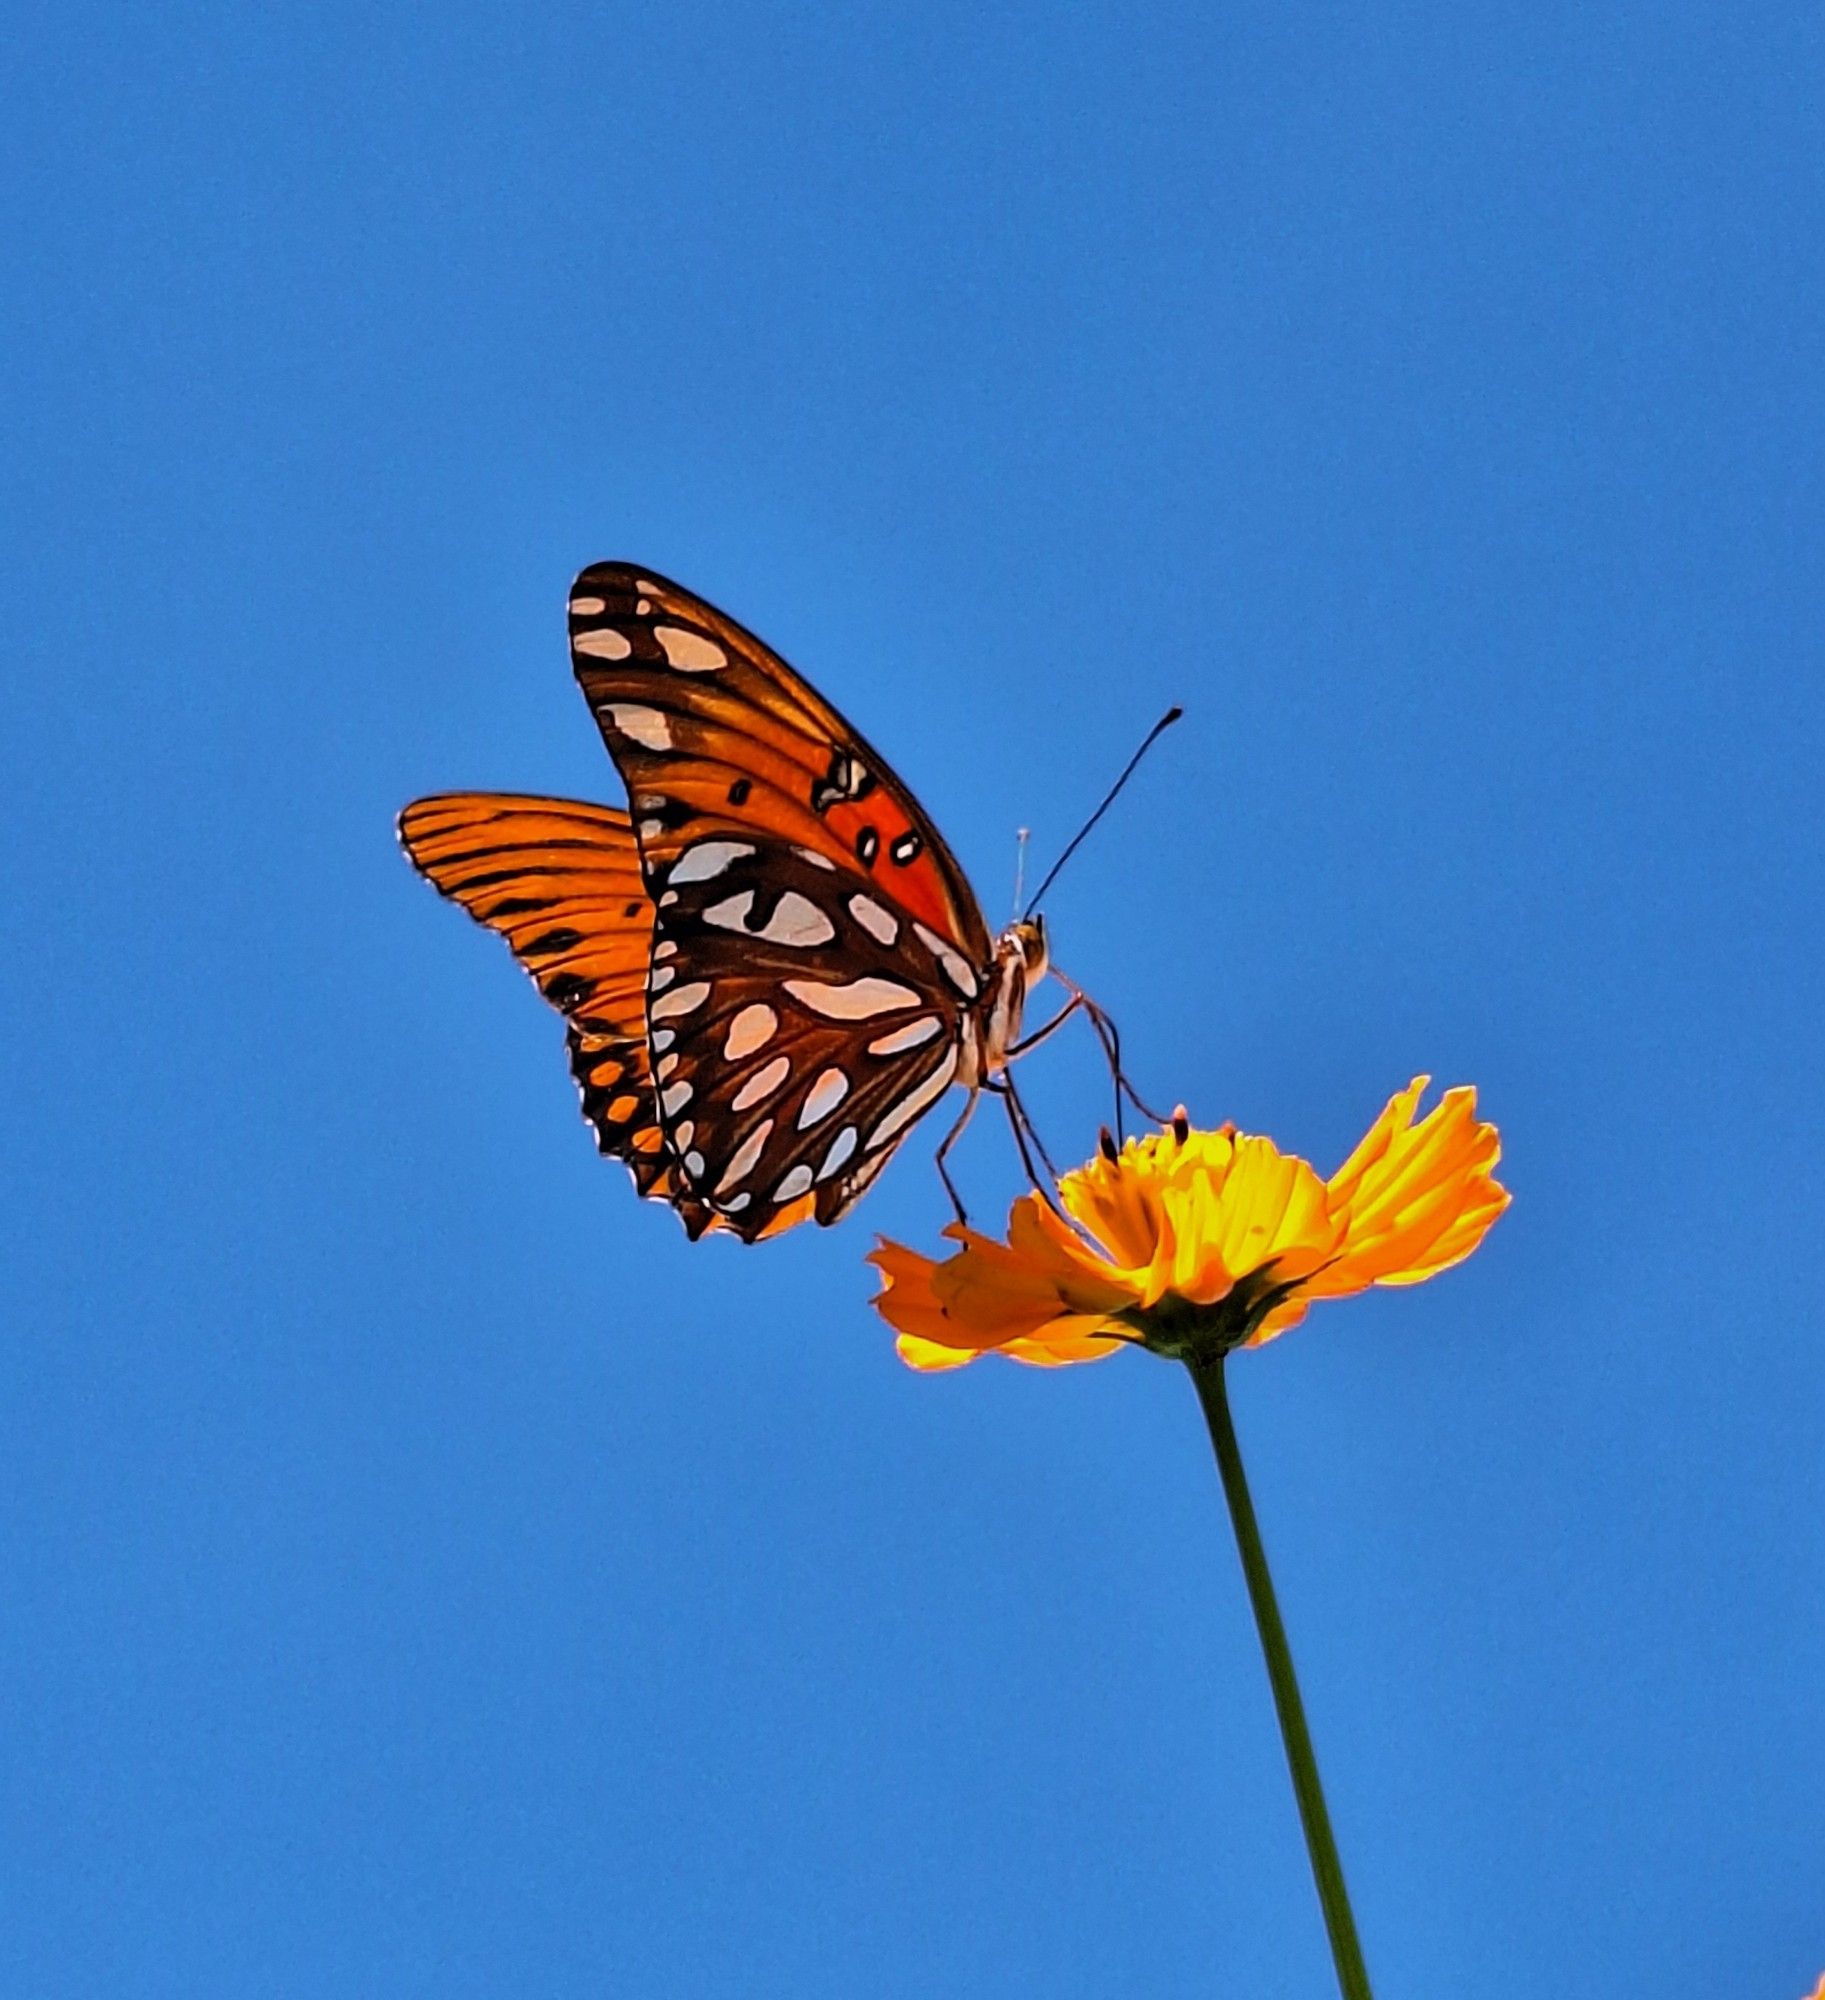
(560, 880)
(792, 1044)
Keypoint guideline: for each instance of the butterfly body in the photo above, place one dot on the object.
(1021, 961)
(772, 966)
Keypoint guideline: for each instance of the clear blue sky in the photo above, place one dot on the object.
(423, 1572)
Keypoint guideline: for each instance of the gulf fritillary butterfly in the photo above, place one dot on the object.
(775, 966)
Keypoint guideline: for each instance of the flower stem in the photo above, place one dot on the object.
(1327, 1870)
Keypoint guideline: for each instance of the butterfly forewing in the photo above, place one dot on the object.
(712, 730)
(816, 950)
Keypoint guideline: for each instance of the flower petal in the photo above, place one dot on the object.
(993, 1293)
(1113, 1200)
(1064, 1343)
(931, 1359)
(906, 1300)
(1088, 1281)
(1042, 1297)
(1274, 1214)
(1414, 1199)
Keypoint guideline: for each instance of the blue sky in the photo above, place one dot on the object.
(427, 1574)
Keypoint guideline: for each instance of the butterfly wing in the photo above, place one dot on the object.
(718, 732)
(791, 1049)
(560, 881)
(817, 954)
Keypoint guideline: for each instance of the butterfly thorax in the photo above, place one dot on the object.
(1018, 966)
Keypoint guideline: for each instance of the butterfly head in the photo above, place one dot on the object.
(1028, 937)
(1021, 958)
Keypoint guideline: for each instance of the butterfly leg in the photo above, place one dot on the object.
(1039, 1035)
(1105, 1033)
(1110, 1037)
(945, 1144)
(1028, 1141)
(1017, 1110)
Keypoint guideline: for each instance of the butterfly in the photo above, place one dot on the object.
(772, 966)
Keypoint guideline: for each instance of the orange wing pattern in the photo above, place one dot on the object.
(714, 727)
(560, 881)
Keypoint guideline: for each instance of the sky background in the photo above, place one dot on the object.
(425, 1573)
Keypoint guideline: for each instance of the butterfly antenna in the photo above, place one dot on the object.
(1022, 834)
(1077, 839)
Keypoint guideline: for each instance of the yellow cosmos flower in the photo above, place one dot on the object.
(1192, 1243)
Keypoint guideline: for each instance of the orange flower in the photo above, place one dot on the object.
(1191, 1243)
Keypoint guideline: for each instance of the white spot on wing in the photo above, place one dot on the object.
(693, 1166)
(880, 924)
(690, 652)
(915, 1101)
(858, 1000)
(647, 726)
(586, 607)
(750, 1150)
(797, 921)
(601, 644)
(753, 1028)
(826, 1094)
(681, 1000)
(762, 1084)
(794, 1185)
(707, 860)
(661, 976)
(914, 1035)
(731, 914)
(840, 1149)
(673, 1099)
(956, 968)
(816, 859)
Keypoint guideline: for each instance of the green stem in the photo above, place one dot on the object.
(1327, 1870)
